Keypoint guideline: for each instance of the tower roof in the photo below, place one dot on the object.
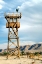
(13, 15)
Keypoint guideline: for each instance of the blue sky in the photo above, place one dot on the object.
(30, 30)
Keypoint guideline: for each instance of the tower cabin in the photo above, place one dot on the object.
(12, 20)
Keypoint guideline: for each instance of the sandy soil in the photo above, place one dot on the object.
(22, 60)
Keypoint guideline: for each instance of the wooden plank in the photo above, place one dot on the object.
(13, 25)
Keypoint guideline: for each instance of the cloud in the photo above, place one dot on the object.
(3, 46)
(26, 43)
(24, 27)
(1, 4)
(36, 1)
(31, 15)
(21, 43)
(31, 7)
(4, 29)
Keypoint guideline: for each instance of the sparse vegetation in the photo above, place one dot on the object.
(22, 53)
(3, 54)
(38, 53)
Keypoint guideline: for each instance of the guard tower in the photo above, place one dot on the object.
(13, 25)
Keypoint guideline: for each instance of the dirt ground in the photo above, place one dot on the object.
(21, 60)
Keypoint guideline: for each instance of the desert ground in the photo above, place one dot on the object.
(21, 60)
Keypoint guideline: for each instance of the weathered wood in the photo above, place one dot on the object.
(13, 24)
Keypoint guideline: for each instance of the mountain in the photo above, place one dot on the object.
(27, 48)
(31, 48)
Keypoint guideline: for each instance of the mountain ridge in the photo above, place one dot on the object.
(32, 48)
(27, 48)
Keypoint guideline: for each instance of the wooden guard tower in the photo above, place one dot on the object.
(13, 25)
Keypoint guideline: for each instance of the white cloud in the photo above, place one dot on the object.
(36, 16)
(4, 29)
(40, 42)
(1, 4)
(3, 46)
(36, 1)
(21, 43)
(24, 27)
(26, 4)
(21, 1)
(26, 43)
(29, 4)
(1, 1)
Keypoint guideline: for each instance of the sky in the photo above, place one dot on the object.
(30, 31)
